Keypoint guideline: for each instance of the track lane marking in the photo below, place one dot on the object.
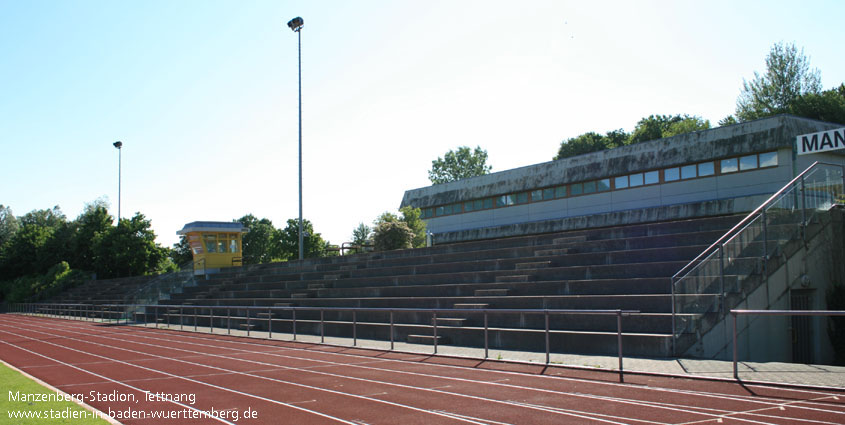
(582, 415)
(233, 372)
(677, 407)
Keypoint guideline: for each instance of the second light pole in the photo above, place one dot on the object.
(296, 25)
(118, 144)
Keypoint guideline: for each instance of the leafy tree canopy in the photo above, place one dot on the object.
(828, 105)
(258, 243)
(460, 164)
(651, 128)
(288, 238)
(390, 235)
(788, 76)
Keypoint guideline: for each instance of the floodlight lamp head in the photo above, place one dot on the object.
(295, 24)
(118, 144)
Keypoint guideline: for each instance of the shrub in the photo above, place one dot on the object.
(391, 235)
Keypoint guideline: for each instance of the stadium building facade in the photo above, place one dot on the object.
(725, 170)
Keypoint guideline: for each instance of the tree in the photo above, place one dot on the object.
(828, 105)
(459, 165)
(788, 76)
(94, 220)
(660, 126)
(128, 249)
(8, 225)
(585, 143)
(728, 120)
(390, 235)
(288, 240)
(258, 243)
(181, 253)
(361, 235)
(411, 218)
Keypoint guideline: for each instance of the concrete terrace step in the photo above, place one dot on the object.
(450, 321)
(425, 339)
(491, 292)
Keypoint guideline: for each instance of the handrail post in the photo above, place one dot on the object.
(674, 330)
(619, 343)
(293, 310)
(322, 327)
(803, 211)
(181, 317)
(354, 329)
(228, 320)
(548, 349)
(722, 279)
(210, 319)
(269, 323)
(391, 330)
(486, 340)
(736, 372)
(764, 218)
(195, 318)
(434, 321)
(248, 320)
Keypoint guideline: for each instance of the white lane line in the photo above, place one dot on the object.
(580, 395)
(306, 351)
(107, 379)
(88, 341)
(226, 370)
(681, 408)
(161, 372)
(749, 399)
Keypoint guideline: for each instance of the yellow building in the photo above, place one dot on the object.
(214, 244)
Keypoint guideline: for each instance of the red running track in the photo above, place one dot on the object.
(220, 379)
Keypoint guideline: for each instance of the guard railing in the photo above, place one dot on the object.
(144, 314)
(742, 254)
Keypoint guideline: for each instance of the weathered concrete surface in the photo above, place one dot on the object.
(754, 136)
(616, 218)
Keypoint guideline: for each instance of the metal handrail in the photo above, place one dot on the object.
(737, 230)
(751, 216)
(737, 313)
(119, 310)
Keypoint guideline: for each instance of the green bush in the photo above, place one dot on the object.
(391, 235)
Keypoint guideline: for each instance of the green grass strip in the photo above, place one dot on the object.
(18, 403)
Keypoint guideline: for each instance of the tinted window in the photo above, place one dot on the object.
(603, 185)
(549, 193)
(488, 203)
(706, 169)
(768, 159)
(688, 172)
(729, 166)
(652, 177)
(590, 187)
(635, 179)
(621, 182)
(522, 198)
(672, 174)
(748, 162)
(560, 192)
(576, 189)
(536, 195)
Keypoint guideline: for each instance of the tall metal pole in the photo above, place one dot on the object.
(296, 24)
(299, 49)
(118, 144)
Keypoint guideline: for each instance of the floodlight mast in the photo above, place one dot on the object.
(118, 144)
(296, 24)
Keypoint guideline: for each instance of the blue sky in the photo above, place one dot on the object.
(203, 94)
